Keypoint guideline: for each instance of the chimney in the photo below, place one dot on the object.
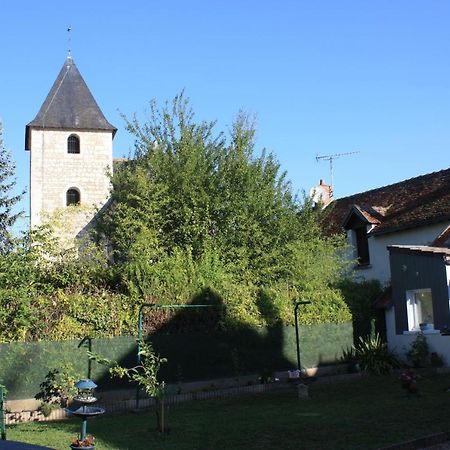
(321, 195)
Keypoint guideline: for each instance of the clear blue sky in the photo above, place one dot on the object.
(322, 76)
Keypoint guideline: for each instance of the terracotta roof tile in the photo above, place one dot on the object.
(415, 202)
(369, 216)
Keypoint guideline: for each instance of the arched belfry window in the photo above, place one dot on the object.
(72, 197)
(73, 144)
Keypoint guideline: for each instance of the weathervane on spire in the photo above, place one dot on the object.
(69, 41)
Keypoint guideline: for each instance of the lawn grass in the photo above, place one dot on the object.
(367, 413)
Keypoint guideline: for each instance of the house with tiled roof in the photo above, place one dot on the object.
(400, 235)
(414, 211)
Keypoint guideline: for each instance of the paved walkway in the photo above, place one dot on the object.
(443, 446)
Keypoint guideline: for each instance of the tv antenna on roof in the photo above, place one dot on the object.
(330, 158)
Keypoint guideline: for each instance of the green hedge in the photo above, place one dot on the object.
(191, 356)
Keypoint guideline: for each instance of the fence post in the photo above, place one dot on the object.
(2, 412)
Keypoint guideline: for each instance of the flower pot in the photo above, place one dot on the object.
(76, 447)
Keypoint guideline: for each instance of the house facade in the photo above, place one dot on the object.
(414, 211)
(70, 144)
(420, 298)
(404, 225)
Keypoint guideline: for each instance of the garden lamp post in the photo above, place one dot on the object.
(297, 304)
(87, 341)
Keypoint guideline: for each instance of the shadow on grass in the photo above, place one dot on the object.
(368, 413)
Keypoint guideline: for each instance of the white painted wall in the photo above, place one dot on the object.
(379, 268)
(401, 343)
(447, 269)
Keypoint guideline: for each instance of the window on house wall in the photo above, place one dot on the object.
(73, 144)
(419, 305)
(72, 197)
(362, 246)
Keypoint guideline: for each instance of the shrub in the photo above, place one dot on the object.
(360, 297)
(436, 360)
(417, 355)
(375, 356)
(57, 389)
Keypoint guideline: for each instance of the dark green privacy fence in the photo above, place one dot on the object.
(191, 356)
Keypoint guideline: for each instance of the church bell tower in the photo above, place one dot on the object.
(70, 144)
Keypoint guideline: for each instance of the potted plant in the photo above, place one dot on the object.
(85, 444)
(419, 351)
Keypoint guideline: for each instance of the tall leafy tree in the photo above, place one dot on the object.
(194, 209)
(7, 198)
(186, 186)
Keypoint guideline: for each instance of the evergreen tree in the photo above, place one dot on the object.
(7, 200)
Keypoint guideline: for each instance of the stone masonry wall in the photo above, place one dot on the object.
(54, 171)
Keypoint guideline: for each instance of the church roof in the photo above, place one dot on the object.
(69, 105)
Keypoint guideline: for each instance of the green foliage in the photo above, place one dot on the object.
(419, 351)
(375, 356)
(19, 280)
(195, 210)
(52, 293)
(144, 374)
(349, 355)
(7, 199)
(195, 216)
(436, 360)
(360, 296)
(327, 306)
(58, 388)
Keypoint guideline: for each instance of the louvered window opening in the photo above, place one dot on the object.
(73, 144)
(72, 197)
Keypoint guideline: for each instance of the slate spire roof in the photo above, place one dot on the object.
(69, 105)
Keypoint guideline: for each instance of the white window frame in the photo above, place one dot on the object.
(413, 313)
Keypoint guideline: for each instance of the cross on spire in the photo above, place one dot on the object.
(69, 42)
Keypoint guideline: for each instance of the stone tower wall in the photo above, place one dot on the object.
(53, 171)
